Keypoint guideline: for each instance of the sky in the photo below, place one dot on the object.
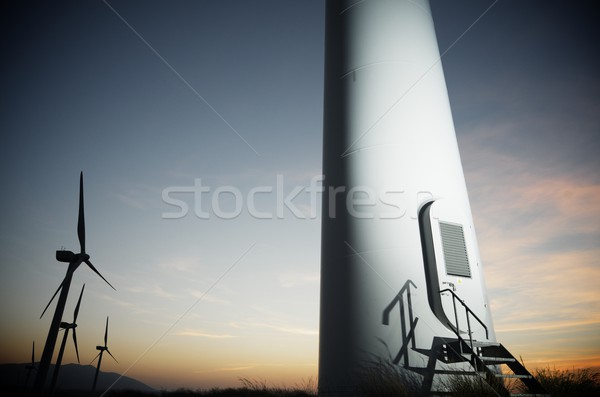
(159, 101)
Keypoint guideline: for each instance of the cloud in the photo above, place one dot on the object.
(202, 334)
(571, 204)
(537, 209)
(226, 369)
(276, 327)
(153, 288)
(139, 197)
(558, 284)
(127, 305)
(550, 326)
(242, 367)
(208, 297)
(518, 207)
(291, 280)
(533, 191)
(186, 265)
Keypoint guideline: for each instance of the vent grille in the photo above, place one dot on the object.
(455, 250)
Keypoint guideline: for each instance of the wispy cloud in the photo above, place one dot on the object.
(288, 329)
(290, 280)
(185, 265)
(140, 197)
(241, 367)
(203, 334)
(224, 369)
(152, 288)
(132, 307)
(208, 298)
(550, 326)
(538, 224)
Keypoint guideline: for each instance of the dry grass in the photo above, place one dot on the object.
(381, 380)
(568, 383)
(474, 386)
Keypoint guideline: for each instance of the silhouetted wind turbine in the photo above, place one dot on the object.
(67, 326)
(30, 367)
(99, 356)
(74, 260)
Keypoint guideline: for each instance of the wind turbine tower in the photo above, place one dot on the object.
(67, 326)
(402, 230)
(401, 275)
(74, 260)
(30, 367)
(99, 356)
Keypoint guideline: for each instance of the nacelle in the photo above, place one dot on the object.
(65, 256)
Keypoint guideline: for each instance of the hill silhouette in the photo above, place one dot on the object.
(72, 377)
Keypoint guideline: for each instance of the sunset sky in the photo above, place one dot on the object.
(151, 96)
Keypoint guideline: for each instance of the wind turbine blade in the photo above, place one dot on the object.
(98, 273)
(81, 219)
(108, 351)
(75, 342)
(33, 354)
(53, 296)
(78, 304)
(97, 355)
(106, 333)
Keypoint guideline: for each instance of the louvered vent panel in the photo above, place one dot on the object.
(455, 250)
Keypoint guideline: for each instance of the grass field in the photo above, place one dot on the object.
(559, 383)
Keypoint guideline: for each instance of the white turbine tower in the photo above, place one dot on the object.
(401, 274)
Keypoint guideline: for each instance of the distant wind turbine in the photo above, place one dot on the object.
(30, 367)
(67, 326)
(99, 356)
(74, 260)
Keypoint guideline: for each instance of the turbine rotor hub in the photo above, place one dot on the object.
(83, 257)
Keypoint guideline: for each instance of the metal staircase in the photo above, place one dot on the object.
(486, 359)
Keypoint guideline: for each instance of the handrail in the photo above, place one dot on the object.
(467, 311)
(406, 337)
(397, 299)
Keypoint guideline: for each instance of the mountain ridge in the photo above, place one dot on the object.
(71, 377)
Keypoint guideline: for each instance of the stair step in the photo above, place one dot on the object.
(481, 343)
(529, 395)
(514, 376)
(497, 359)
(458, 372)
